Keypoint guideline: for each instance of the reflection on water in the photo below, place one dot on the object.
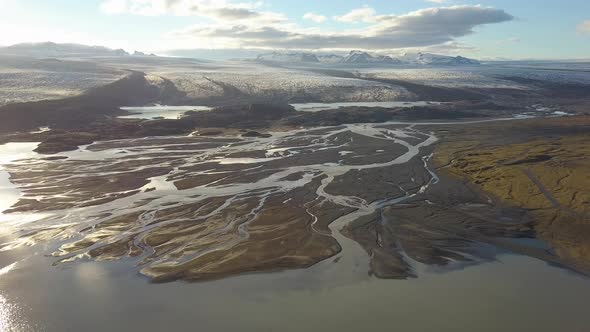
(9, 194)
(159, 111)
(174, 112)
(7, 268)
(515, 293)
(316, 107)
(12, 317)
(11, 152)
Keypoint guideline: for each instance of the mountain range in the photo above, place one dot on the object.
(50, 49)
(361, 57)
(56, 50)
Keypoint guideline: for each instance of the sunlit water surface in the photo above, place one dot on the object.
(316, 107)
(174, 112)
(514, 293)
(160, 111)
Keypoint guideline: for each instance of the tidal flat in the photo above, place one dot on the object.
(119, 220)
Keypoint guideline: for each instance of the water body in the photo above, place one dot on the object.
(174, 112)
(160, 111)
(512, 293)
(316, 107)
(8, 153)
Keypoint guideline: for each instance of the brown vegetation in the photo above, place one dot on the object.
(538, 165)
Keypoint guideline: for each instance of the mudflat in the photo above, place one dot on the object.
(201, 207)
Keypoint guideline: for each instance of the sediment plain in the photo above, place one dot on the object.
(253, 185)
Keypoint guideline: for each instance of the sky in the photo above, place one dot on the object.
(485, 29)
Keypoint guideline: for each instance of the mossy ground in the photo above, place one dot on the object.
(535, 165)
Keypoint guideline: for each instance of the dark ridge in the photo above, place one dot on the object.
(229, 91)
(101, 127)
(353, 114)
(240, 116)
(432, 93)
(424, 92)
(554, 89)
(96, 104)
(334, 73)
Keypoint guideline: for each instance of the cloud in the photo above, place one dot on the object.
(219, 10)
(240, 32)
(242, 23)
(364, 14)
(234, 13)
(315, 17)
(584, 27)
(8, 4)
(422, 28)
(113, 7)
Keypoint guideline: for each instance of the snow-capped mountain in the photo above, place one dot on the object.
(365, 58)
(434, 59)
(50, 49)
(329, 58)
(360, 57)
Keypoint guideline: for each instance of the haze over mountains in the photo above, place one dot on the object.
(50, 49)
(355, 57)
(360, 57)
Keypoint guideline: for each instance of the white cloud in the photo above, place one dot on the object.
(6, 3)
(364, 14)
(113, 7)
(219, 10)
(317, 18)
(584, 27)
(243, 23)
(422, 28)
(10, 7)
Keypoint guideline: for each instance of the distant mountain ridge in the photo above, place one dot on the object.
(51, 49)
(355, 57)
(434, 59)
(361, 57)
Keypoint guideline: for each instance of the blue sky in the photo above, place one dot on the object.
(484, 28)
